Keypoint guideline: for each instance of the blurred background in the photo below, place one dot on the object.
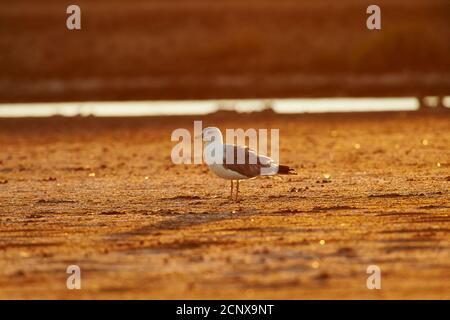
(194, 49)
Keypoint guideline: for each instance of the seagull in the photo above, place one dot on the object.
(236, 171)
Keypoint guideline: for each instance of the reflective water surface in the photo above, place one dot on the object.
(192, 107)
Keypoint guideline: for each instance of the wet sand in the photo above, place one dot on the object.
(74, 192)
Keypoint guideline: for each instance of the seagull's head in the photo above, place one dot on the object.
(211, 134)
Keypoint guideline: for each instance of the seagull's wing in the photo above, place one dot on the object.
(244, 161)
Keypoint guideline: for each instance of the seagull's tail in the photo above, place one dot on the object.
(286, 170)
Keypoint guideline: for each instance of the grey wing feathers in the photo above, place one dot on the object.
(244, 161)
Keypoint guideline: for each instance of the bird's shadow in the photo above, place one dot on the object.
(183, 221)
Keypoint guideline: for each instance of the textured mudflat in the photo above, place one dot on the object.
(74, 191)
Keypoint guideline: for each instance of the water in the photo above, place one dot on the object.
(201, 107)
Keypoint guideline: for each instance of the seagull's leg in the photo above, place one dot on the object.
(237, 189)
(231, 190)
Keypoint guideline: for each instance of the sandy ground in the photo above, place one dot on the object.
(176, 235)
